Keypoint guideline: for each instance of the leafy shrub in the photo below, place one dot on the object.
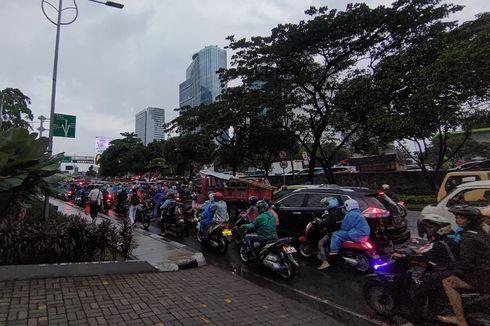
(74, 240)
(26, 170)
(418, 199)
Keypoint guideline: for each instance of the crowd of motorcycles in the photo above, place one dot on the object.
(389, 284)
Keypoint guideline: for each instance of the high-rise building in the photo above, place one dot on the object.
(202, 84)
(149, 125)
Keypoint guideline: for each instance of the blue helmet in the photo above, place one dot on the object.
(351, 204)
(330, 202)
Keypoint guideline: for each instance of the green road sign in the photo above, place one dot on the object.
(66, 159)
(64, 125)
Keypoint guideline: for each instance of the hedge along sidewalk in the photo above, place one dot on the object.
(164, 255)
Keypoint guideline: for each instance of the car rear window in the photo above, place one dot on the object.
(369, 201)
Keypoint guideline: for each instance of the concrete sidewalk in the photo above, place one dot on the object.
(203, 296)
(163, 254)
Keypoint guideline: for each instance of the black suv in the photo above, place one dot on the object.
(385, 217)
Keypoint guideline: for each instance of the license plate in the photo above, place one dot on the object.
(289, 249)
(227, 232)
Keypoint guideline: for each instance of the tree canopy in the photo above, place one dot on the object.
(15, 111)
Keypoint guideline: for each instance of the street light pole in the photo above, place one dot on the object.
(55, 68)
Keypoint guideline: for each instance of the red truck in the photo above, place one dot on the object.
(235, 190)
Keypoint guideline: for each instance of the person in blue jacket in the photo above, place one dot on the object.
(206, 218)
(158, 200)
(354, 227)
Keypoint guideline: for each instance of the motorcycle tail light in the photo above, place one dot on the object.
(368, 245)
(375, 212)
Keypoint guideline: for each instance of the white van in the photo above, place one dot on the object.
(476, 194)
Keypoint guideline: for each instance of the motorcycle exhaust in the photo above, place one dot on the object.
(351, 261)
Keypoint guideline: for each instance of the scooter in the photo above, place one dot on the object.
(173, 221)
(389, 291)
(360, 256)
(218, 236)
(276, 255)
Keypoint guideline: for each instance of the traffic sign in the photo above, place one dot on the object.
(283, 164)
(64, 125)
(283, 154)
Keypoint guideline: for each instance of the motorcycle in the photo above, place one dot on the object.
(238, 232)
(80, 200)
(122, 209)
(107, 203)
(360, 256)
(144, 214)
(389, 291)
(218, 236)
(276, 255)
(173, 221)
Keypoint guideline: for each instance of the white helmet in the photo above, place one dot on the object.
(351, 204)
(444, 225)
(386, 186)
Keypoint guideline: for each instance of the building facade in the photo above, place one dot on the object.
(149, 125)
(202, 84)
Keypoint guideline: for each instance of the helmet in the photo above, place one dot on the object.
(351, 204)
(218, 196)
(444, 226)
(211, 195)
(330, 202)
(262, 206)
(253, 200)
(472, 214)
(386, 186)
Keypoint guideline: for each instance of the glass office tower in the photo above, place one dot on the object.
(149, 125)
(202, 84)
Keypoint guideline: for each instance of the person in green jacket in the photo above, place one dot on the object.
(264, 227)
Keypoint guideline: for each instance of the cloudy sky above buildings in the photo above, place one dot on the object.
(114, 63)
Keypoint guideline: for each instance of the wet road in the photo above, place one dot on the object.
(340, 284)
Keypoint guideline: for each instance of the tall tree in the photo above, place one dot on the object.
(303, 67)
(14, 110)
(434, 88)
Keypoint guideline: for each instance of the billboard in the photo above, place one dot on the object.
(101, 144)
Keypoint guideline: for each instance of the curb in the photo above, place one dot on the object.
(35, 271)
(195, 261)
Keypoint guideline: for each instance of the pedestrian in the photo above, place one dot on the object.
(134, 201)
(95, 197)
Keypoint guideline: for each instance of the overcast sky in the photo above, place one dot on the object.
(114, 63)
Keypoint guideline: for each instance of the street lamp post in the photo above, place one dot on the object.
(58, 24)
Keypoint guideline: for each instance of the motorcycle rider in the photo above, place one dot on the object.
(473, 266)
(167, 209)
(216, 213)
(264, 227)
(158, 199)
(121, 198)
(252, 212)
(333, 214)
(354, 227)
(208, 202)
(439, 253)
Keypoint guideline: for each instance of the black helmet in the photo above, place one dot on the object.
(253, 200)
(170, 195)
(472, 214)
(262, 206)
